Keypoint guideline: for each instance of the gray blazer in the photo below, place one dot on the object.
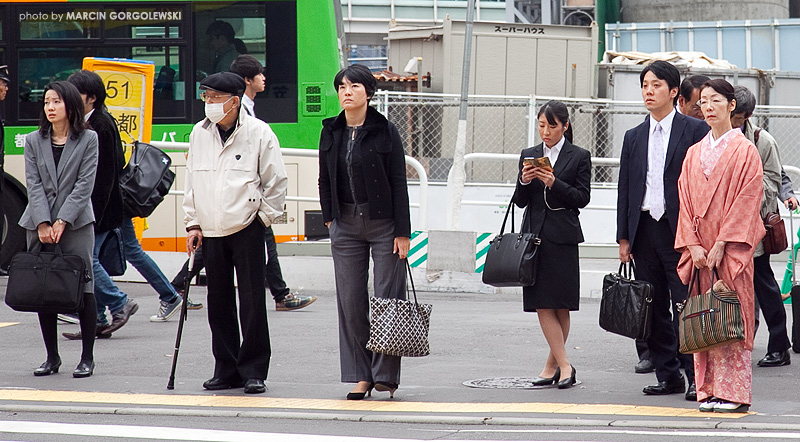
(63, 193)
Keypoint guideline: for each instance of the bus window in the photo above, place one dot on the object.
(59, 24)
(38, 67)
(143, 23)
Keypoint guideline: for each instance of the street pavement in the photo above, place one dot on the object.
(473, 336)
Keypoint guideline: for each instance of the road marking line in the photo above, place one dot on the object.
(8, 324)
(343, 405)
(725, 434)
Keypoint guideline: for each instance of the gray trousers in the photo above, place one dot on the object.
(352, 238)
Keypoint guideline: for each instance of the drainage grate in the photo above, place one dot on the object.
(521, 383)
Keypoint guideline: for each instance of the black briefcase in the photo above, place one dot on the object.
(626, 307)
(512, 257)
(145, 180)
(112, 254)
(46, 282)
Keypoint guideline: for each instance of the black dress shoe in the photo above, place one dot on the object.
(776, 359)
(254, 386)
(98, 334)
(676, 385)
(48, 368)
(645, 366)
(547, 381)
(568, 382)
(84, 369)
(221, 384)
(691, 393)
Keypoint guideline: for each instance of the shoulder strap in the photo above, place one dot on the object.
(755, 135)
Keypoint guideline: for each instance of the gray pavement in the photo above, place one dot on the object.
(473, 336)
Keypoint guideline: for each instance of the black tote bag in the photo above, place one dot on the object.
(512, 257)
(627, 304)
(112, 254)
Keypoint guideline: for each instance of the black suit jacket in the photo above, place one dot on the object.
(685, 132)
(107, 196)
(570, 191)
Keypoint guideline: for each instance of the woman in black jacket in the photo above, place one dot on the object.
(364, 199)
(552, 197)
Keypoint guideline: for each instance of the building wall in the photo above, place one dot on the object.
(700, 10)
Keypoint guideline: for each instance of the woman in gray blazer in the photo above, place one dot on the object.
(60, 168)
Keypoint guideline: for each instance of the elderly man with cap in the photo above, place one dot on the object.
(5, 82)
(235, 187)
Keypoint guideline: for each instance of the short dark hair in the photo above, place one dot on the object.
(89, 83)
(721, 87)
(246, 66)
(690, 83)
(223, 28)
(357, 73)
(72, 104)
(663, 71)
(556, 112)
(745, 101)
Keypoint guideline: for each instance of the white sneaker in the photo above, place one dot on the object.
(730, 407)
(167, 310)
(709, 404)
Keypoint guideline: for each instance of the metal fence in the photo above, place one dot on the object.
(507, 124)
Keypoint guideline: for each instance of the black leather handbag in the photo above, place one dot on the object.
(112, 254)
(626, 307)
(512, 257)
(145, 180)
(46, 282)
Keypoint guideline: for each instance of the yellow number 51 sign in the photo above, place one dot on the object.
(129, 94)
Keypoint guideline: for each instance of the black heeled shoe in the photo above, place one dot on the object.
(548, 381)
(386, 386)
(568, 382)
(48, 368)
(359, 395)
(84, 369)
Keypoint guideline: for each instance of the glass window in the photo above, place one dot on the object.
(40, 66)
(59, 24)
(268, 32)
(143, 22)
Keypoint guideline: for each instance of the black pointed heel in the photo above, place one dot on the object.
(84, 369)
(568, 382)
(548, 381)
(359, 395)
(48, 368)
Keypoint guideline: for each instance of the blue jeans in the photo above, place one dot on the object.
(144, 264)
(105, 291)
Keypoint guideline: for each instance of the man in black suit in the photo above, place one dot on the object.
(647, 215)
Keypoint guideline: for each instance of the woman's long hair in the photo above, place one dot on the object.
(73, 104)
(556, 112)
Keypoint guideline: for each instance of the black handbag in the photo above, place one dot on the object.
(626, 307)
(145, 180)
(112, 254)
(512, 257)
(46, 282)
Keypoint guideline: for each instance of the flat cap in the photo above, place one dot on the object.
(4, 74)
(226, 82)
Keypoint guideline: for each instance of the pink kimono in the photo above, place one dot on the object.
(723, 206)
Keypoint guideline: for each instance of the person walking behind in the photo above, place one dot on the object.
(235, 187)
(552, 199)
(719, 228)
(364, 199)
(60, 168)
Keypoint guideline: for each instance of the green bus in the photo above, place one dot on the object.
(300, 43)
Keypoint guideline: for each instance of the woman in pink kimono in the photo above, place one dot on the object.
(719, 227)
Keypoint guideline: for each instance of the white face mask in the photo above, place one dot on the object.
(215, 112)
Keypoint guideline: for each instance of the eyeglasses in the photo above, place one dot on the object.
(207, 98)
(715, 102)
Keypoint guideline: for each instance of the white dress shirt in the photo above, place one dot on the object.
(666, 128)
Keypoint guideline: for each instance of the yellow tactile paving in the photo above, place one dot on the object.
(343, 405)
(7, 324)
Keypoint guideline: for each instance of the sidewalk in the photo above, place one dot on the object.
(473, 336)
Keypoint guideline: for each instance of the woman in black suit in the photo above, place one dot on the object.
(551, 199)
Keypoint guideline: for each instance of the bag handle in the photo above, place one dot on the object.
(411, 278)
(627, 270)
(508, 209)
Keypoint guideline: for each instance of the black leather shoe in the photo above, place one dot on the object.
(48, 368)
(645, 366)
(254, 386)
(691, 393)
(776, 359)
(676, 385)
(547, 381)
(84, 369)
(98, 334)
(568, 382)
(221, 384)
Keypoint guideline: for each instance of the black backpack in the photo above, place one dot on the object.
(145, 180)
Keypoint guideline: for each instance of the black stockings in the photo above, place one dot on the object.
(88, 317)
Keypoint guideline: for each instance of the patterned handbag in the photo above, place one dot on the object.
(399, 327)
(711, 319)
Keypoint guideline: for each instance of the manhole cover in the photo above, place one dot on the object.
(523, 383)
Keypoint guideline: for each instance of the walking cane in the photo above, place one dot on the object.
(184, 310)
(795, 291)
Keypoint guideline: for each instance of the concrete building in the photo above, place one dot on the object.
(703, 10)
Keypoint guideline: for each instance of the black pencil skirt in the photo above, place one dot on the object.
(558, 282)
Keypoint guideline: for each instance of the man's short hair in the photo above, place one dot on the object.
(222, 28)
(246, 66)
(89, 83)
(357, 73)
(745, 101)
(690, 84)
(663, 71)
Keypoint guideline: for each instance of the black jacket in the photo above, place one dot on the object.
(570, 192)
(685, 132)
(384, 170)
(106, 196)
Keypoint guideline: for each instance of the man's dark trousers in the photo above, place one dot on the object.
(656, 262)
(768, 295)
(243, 251)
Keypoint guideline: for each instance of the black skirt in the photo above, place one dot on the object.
(558, 282)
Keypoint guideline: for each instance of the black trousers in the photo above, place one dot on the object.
(273, 277)
(657, 263)
(244, 252)
(768, 298)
